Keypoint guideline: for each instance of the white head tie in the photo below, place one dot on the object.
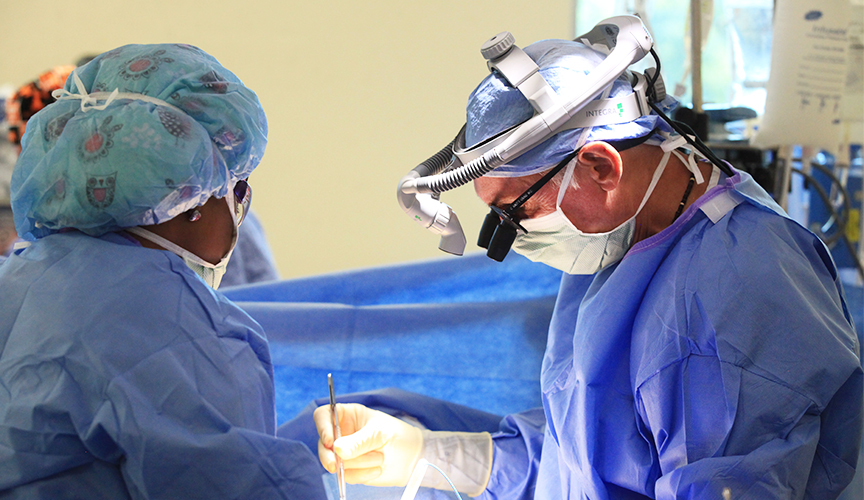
(89, 100)
(674, 142)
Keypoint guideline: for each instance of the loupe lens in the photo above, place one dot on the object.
(501, 241)
(488, 229)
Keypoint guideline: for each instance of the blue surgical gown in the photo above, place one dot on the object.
(122, 375)
(718, 354)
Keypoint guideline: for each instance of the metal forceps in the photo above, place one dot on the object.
(337, 433)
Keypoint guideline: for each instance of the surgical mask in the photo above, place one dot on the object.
(553, 240)
(211, 273)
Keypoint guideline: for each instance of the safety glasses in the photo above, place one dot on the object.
(501, 226)
(242, 200)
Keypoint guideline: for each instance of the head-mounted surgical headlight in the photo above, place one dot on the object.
(596, 113)
(623, 38)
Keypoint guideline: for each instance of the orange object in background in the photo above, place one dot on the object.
(32, 97)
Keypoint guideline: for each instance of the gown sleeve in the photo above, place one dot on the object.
(190, 412)
(184, 438)
(517, 447)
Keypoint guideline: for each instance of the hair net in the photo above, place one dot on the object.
(99, 164)
(495, 106)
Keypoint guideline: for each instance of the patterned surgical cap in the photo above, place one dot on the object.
(180, 130)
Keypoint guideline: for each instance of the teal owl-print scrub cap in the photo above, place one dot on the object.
(138, 135)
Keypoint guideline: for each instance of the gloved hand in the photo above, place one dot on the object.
(376, 449)
(380, 450)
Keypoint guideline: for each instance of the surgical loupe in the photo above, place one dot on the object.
(501, 226)
(623, 39)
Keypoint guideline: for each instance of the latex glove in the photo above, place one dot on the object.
(376, 449)
(380, 450)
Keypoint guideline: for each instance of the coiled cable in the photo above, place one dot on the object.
(437, 162)
(451, 180)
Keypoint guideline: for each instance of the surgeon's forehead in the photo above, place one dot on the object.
(502, 192)
(499, 191)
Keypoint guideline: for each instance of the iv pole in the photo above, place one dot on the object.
(698, 120)
(696, 54)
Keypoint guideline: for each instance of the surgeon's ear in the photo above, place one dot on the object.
(603, 164)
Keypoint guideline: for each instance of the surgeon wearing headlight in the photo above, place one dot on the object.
(125, 373)
(710, 356)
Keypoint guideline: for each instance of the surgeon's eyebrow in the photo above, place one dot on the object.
(497, 202)
(519, 213)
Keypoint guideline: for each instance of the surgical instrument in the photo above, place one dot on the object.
(337, 433)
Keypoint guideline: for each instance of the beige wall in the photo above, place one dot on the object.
(356, 94)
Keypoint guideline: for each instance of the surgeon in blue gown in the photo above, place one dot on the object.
(700, 348)
(124, 373)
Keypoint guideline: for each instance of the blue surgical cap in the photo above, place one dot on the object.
(136, 162)
(495, 106)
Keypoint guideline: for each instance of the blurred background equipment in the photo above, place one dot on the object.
(7, 162)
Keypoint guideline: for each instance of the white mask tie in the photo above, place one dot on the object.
(672, 144)
(553, 240)
(211, 273)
